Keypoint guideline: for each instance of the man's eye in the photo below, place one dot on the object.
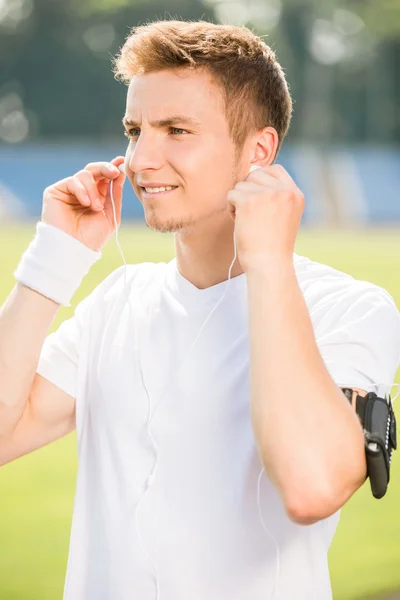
(132, 133)
(177, 130)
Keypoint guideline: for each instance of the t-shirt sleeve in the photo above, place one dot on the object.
(60, 355)
(359, 338)
(58, 362)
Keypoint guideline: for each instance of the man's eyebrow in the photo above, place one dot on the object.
(167, 122)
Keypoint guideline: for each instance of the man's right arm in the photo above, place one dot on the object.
(76, 223)
(33, 411)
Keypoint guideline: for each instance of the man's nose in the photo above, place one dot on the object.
(146, 154)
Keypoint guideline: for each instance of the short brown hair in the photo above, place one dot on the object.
(255, 90)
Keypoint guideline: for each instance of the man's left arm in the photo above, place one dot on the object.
(308, 435)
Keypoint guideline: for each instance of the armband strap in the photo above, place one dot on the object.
(379, 425)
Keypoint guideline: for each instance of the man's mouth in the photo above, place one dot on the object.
(158, 190)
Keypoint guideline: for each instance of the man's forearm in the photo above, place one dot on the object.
(308, 436)
(25, 319)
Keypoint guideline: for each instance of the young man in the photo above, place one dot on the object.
(215, 445)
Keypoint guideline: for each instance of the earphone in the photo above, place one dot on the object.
(151, 477)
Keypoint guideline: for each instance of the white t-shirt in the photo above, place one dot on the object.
(199, 520)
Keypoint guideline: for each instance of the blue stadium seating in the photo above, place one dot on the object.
(342, 186)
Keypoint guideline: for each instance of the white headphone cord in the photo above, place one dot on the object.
(151, 416)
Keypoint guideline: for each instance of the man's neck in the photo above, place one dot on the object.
(204, 257)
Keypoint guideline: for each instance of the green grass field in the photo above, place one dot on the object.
(37, 491)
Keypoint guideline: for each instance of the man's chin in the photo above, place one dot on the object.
(168, 225)
(184, 225)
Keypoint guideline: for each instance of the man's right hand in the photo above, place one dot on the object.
(81, 205)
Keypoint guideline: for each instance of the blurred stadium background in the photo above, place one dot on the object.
(61, 108)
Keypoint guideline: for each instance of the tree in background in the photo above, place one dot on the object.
(340, 59)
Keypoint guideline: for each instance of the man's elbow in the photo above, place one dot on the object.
(314, 507)
(308, 513)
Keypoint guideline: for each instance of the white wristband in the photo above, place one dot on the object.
(55, 264)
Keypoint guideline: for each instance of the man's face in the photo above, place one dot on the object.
(179, 137)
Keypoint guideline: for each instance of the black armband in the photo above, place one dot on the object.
(379, 425)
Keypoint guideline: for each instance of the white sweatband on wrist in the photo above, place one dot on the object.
(55, 264)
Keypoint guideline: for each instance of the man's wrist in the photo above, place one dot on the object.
(273, 267)
(55, 264)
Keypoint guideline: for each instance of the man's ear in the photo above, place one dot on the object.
(267, 142)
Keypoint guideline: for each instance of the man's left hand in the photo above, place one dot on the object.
(267, 207)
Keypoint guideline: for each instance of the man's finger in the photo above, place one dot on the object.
(118, 183)
(250, 186)
(266, 179)
(117, 186)
(272, 173)
(102, 170)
